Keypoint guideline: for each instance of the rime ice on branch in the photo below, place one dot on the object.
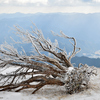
(38, 70)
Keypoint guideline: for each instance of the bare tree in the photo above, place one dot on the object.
(40, 69)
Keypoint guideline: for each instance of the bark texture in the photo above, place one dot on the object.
(39, 68)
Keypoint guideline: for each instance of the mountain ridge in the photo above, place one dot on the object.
(84, 27)
(86, 60)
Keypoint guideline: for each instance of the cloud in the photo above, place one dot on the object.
(97, 52)
(44, 2)
(96, 1)
(33, 1)
(23, 2)
(84, 3)
(63, 2)
(49, 6)
(86, 0)
(6, 1)
(48, 3)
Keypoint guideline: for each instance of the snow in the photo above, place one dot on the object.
(70, 69)
(57, 93)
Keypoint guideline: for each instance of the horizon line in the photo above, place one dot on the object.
(53, 13)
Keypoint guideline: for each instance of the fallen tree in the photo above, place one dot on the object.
(40, 69)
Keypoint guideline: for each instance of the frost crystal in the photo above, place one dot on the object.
(77, 79)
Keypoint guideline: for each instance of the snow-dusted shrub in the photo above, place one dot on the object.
(77, 79)
(47, 65)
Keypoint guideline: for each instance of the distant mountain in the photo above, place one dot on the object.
(84, 27)
(85, 60)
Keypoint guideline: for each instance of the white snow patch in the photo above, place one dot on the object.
(70, 69)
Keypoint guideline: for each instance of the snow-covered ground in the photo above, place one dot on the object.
(57, 93)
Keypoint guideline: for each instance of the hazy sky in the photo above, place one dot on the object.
(49, 6)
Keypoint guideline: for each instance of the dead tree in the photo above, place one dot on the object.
(40, 69)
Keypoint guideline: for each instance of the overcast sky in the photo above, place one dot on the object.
(49, 6)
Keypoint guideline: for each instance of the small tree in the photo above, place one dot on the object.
(39, 69)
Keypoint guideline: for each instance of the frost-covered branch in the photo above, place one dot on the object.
(75, 49)
(21, 71)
